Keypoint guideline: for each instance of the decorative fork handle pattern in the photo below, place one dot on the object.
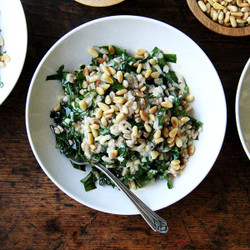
(153, 220)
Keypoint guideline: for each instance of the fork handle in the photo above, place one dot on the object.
(153, 220)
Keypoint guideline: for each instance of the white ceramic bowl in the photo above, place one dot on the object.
(130, 32)
(14, 31)
(242, 108)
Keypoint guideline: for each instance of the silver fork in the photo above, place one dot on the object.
(153, 220)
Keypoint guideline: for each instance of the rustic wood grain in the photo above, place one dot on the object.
(214, 26)
(35, 214)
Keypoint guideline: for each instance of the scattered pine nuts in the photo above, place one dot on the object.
(227, 12)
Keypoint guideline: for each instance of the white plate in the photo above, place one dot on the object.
(14, 31)
(242, 108)
(128, 32)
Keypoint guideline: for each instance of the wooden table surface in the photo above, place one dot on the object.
(35, 214)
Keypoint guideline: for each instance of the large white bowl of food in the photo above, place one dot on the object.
(149, 108)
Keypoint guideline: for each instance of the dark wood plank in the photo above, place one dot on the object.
(35, 214)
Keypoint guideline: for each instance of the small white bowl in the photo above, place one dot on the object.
(242, 108)
(127, 32)
(15, 35)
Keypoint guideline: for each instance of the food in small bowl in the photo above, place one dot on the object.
(230, 13)
(129, 113)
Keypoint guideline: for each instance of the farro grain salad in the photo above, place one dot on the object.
(130, 113)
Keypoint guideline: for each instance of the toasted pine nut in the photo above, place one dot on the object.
(111, 50)
(94, 132)
(139, 68)
(135, 131)
(232, 8)
(140, 52)
(165, 132)
(159, 140)
(107, 78)
(170, 139)
(167, 104)
(148, 73)
(105, 86)
(202, 6)
(120, 117)
(173, 132)
(180, 135)
(240, 21)
(115, 108)
(85, 84)
(93, 52)
(155, 74)
(178, 142)
(90, 138)
(105, 69)
(94, 78)
(6, 58)
(154, 154)
(125, 109)
(108, 99)
(101, 60)
(118, 100)
(140, 94)
(237, 14)
(174, 121)
(227, 17)
(121, 92)
(143, 88)
(182, 165)
(109, 111)
(233, 21)
(191, 150)
(152, 61)
(153, 110)
(157, 134)
(111, 70)
(83, 105)
(94, 126)
(119, 76)
(115, 153)
(103, 106)
(93, 147)
(147, 127)
(98, 113)
(152, 117)
(217, 6)
(175, 162)
(143, 115)
(100, 90)
(189, 98)
(104, 121)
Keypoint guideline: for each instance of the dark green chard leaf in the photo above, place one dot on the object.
(170, 57)
(61, 75)
(89, 182)
(195, 123)
(80, 75)
(103, 130)
(171, 77)
(161, 114)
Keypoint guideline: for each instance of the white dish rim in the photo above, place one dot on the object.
(237, 107)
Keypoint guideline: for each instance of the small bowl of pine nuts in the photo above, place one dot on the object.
(225, 17)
